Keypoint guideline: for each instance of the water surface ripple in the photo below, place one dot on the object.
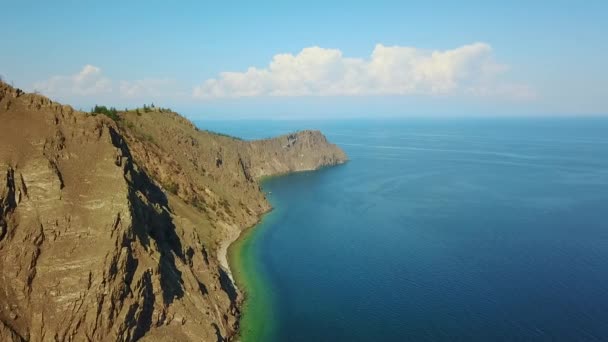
(470, 230)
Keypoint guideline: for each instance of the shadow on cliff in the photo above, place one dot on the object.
(152, 224)
(228, 287)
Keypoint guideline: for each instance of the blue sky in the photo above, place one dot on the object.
(313, 59)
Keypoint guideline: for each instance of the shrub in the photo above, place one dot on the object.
(130, 125)
(111, 112)
(199, 202)
(172, 187)
(149, 138)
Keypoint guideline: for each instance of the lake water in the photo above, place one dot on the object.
(436, 230)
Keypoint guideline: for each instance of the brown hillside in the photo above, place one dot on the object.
(117, 231)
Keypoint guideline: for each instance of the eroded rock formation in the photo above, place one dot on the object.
(116, 231)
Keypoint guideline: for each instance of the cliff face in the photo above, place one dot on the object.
(291, 153)
(117, 231)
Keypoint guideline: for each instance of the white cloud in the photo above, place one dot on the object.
(148, 88)
(390, 70)
(89, 81)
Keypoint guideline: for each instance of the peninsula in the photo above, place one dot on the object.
(115, 227)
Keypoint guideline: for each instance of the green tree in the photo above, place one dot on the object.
(111, 112)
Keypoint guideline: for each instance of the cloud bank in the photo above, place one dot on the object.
(148, 87)
(89, 81)
(390, 70)
(469, 70)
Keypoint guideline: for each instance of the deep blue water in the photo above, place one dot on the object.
(441, 230)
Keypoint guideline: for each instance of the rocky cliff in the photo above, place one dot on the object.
(116, 231)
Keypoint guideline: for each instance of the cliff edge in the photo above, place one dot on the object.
(116, 230)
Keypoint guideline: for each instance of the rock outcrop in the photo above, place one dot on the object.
(116, 231)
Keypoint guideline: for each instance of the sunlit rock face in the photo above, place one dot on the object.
(118, 230)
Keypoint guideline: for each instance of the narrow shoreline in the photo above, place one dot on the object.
(255, 319)
(236, 234)
(222, 252)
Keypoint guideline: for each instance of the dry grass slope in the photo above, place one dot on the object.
(116, 230)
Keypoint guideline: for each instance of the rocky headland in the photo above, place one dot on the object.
(117, 229)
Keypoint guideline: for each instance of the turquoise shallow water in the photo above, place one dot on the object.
(439, 231)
